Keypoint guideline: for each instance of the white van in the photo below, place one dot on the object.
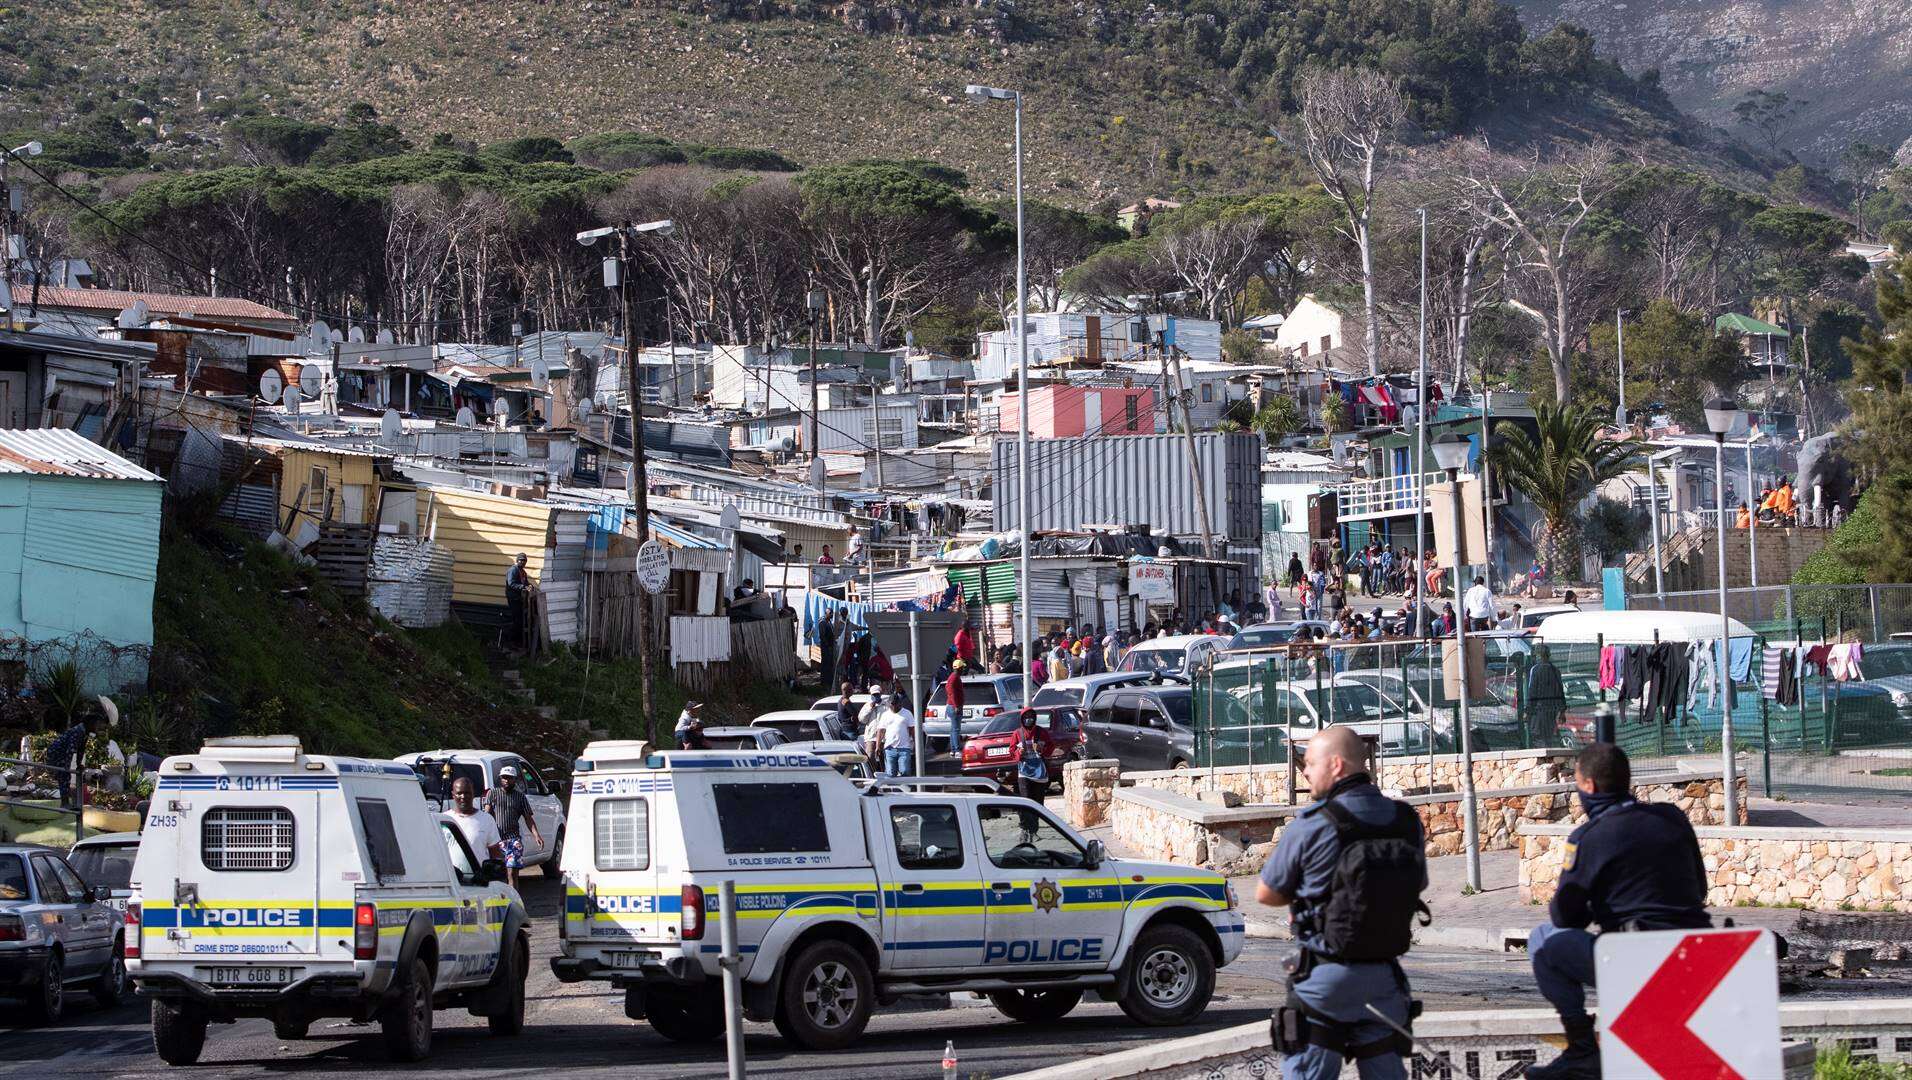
(850, 896)
(273, 883)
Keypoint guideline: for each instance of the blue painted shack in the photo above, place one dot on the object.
(79, 553)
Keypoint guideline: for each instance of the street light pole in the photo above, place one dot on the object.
(1420, 456)
(1450, 453)
(1721, 414)
(1025, 624)
(1620, 336)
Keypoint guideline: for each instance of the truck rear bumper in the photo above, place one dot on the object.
(340, 993)
(682, 970)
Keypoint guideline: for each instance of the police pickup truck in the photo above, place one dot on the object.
(851, 895)
(274, 883)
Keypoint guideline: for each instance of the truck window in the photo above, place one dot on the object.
(381, 840)
(621, 834)
(927, 837)
(759, 819)
(1020, 838)
(106, 866)
(233, 838)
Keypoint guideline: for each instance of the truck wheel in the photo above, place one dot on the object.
(509, 1019)
(49, 1000)
(179, 1032)
(553, 866)
(406, 1020)
(686, 1018)
(111, 988)
(290, 1028)
(826, 997)
(1035, 1006)
(1171, 976)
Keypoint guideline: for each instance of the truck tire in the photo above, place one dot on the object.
(290, 1028)
(693, 1017)
(508, 1019)
(826, 997)
(48, 1002)
(179, 1032)
(1035, 1006)
(1171, 976)
(406, 1020)
(554, 864)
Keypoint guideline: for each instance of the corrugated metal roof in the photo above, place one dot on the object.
(114, 300)
(59, 452)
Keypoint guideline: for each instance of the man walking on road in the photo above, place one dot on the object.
(1478, 606)
(478, 827)
(1352, 867)
(1631, 866)
(512, 811)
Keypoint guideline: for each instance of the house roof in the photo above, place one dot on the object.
(1746, 324)
(60, 452)
(115, 300)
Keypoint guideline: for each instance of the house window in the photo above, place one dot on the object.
(315, 492)
(1327, 342)
(1304, 348)
(1130, 413)
(1208, 391)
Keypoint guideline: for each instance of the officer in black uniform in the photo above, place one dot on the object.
(1351, 936)
(1630, 866)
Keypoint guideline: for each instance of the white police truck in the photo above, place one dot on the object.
(850, 896)
(274, 883)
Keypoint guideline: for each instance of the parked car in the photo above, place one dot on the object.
(437, 769)
(105, 862)
(1142, 727)
(1175, 655)
(845, 756)
(984, 696)
(743, 738)
(1080, 691)
(805, 725)
(1268, 634)
(56, 932)
(1059, 734)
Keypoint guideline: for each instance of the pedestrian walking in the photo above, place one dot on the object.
(1351, 868)
(899, 737)
(509, 807)
(1032, 771)
(478, 827)
(517, 597)
(953, 703)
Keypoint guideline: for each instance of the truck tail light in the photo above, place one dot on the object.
(12, 928)
(365, 932)
(130, 947)
(690, 923)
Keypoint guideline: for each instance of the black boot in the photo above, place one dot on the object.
(1579, 1061)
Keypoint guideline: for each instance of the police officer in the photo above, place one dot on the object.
(1630, 866)
(1350, 939)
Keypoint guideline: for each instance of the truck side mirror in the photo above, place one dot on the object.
(491, 870)
(1095, 856)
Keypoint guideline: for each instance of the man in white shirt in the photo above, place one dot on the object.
(872, 710)
(899, 737)
(1512, 619)
(478, 827)
(1478, 606)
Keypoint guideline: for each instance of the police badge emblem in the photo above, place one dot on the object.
(1047, 896)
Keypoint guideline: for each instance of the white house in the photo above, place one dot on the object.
(1313, 328)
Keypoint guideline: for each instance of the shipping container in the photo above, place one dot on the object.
(1134, 480)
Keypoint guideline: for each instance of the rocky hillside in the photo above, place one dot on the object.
(1849, 60)
(1125, 99)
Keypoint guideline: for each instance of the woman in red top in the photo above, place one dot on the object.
(1032, 768)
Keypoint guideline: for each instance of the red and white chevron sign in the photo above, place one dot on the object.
(1689, 1005)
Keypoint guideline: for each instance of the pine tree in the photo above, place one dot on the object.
(1882, 421)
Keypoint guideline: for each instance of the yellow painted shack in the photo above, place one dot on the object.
(485, 532)
(314, 482)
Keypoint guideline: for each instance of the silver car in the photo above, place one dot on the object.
(56, 932)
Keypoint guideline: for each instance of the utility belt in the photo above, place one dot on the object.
(1296, 1025)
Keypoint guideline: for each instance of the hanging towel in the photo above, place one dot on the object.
(1788, 693)
(1609, 666)
(1702, 666)
(1844, 661)
(1741, 653)
(1816, 658)
(1769, 666)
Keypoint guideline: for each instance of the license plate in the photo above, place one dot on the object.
(250, 976)
(626, 959)
(998, 751)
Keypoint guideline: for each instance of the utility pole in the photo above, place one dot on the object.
(638, 482)
(1620, 342)
(1194, 462)
(813, 304)
(1486, 474)
(1415, 485)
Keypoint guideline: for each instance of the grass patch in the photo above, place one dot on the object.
(608, 694)
(1839, 1064)
(1897, 770)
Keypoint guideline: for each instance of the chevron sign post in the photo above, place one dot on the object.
(1689, 1005)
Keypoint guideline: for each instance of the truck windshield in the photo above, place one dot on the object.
(105, 866)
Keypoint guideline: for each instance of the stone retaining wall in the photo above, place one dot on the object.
(1820, 869)
(1164, 825)
(1269, 783)
(1086, 789)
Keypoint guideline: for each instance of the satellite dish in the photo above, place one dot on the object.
(134, 316)
(389, 426)
(311, 380)
(334, 337)
(729, 518)
(319, 332)
(789, 445)
(386, 337)
(500, 407)
(290, 399)
(357, 335)
(270, 384)
(466, 418)
(540, 373)
(584, 408)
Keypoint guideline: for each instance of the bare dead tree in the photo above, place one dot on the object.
(1215, 260)
(1349, 119)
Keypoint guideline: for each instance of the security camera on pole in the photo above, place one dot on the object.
(617, 276)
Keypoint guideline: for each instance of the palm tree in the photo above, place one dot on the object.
(1559, 468)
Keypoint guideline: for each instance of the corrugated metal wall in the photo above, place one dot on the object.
(484, 533)
(1133, 480)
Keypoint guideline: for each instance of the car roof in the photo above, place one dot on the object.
(1100, 677)
(823, 746)
(1179, 641)
(108, 839)
(16, 848)
(792, 714)
(732, 730)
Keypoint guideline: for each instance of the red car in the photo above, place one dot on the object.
(992, 753)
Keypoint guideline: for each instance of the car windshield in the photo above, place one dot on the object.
(1885, 663)
(436, 777)
(1260, 639)
(13, 879)
(1001, 723)
(1051, 696)
(108, 866)
(1349, 701)
(1143, 659)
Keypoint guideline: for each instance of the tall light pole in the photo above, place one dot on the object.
(1721, 415)
(1752, 514)
(1420, 456)
(813, 307)
(7, 212)
(1450, 453)
(617, 275)
(1025, 624)
(1620, 338)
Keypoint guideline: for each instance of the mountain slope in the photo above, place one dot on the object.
(1850, 60)
(1123, 99)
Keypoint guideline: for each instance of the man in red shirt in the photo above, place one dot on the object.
(965, 645)
(953, 702)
